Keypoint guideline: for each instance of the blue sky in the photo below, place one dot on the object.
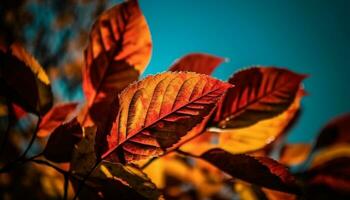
(311, 37)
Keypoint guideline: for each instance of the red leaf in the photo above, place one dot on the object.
(118, 51)
(333, 174)
(55, 117)
(197, 62)
(61, 142)
(260, 93)
(261, 171)
(157, 111)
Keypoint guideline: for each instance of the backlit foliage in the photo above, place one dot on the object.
(180, 134)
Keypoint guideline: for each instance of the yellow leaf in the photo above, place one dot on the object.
(261, 134)
(294, 154)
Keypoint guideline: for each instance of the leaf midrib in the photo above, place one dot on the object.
(110, 151)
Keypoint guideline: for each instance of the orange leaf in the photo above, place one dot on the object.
(197, 62)
(261, 171)
(261, 134)
(55, 117)
(261, 93)
(157, 111)
(25, 81)
(247, 139)
(294, 154)
(118, 51)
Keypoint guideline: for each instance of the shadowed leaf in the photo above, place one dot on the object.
(118, 51)
(335, 132)
(59, 147)
(332, 175)
(55, 117)
(26, 83)
(116, 174)
(261, 171)
(261, 93)
(157, 111)
(197, 62)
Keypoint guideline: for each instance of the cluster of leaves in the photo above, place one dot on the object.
(175, 135)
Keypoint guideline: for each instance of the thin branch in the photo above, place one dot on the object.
(149, 162)
(65, 186)
(21, 159)
(82, 182)
(186, 153)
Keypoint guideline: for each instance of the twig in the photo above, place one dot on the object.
(82, 182)
(149, 162)
(186, 153)
(65, 186)
(21, 159)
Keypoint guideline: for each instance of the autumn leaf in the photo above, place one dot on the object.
(119, 49)
(248, 139)
(55, 117)
(262, 133)
(332, 177)
(294, 154)
(197, 62)
(60, 145)
(26, 83)
(277, 195)
(336, 132)
(261, 93)
(261, 171)
(157, 111)
(116, 174)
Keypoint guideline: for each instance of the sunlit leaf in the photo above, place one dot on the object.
(204, 142)
(197, 62)
(261, 171)
(55, 117)
(260, 93)
(335, 132)
(277, 195)
(245, 191)
(52, 182)
(294, 154)
(26, 83)
(262, 133)
(129, 175)
(157, 111)
(59, 147)
(119, 49)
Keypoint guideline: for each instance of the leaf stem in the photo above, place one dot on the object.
(65, 186)
(149, 162)
(179, 151)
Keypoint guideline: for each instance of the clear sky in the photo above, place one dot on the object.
(311, 37)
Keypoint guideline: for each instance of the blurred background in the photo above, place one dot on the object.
(311, 37)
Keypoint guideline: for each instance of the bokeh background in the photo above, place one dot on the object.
(311, 37)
